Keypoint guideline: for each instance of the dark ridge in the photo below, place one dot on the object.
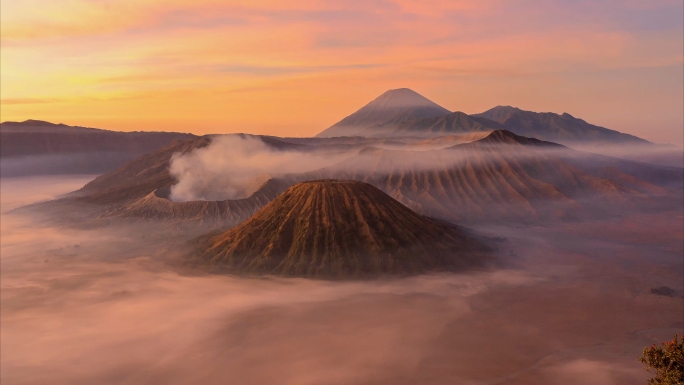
(36, 147)
(507, 137)
(453, 123)
(150, 172)
(139, 177)
(557, 128)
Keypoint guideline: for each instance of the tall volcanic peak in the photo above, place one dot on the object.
(402, 97)
(391, 108)
(329, 228)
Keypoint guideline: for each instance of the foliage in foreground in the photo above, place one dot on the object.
(666, 362)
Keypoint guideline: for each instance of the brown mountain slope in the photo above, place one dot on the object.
(444, 141)
(337, 229)
(500, 177)
(453, 123)
(150, 172)
(137, 178)
(157, 206)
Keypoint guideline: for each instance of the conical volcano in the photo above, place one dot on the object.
(337, 229)
(384, 113)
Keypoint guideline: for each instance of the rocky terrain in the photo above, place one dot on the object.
(336, 229)
(500, 177)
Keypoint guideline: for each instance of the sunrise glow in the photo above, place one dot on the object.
(295, 68)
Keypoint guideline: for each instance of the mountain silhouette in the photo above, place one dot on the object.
(389, 109)
(63, 149)
(565, 128)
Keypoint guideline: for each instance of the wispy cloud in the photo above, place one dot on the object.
(331, 56)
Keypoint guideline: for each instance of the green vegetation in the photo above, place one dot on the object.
(666, 362)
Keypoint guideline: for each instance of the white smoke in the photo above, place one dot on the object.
(234, 166)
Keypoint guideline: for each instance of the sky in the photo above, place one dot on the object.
(294, 68)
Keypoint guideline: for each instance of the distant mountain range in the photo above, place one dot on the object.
(563, 128)
(403, 112)
(38, 147)
(397, 118)
(503, 176)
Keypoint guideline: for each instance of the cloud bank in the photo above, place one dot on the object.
(234, 166)
(84, 306)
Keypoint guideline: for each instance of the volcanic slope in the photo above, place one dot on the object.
(157, 206)
(149, 173)
(338, 229)
(500, 177)
(565, 128)
(139, 177)
(453, 123)
(386, 111)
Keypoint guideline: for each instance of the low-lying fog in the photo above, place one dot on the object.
(100, 306)
(226, 168)
(234, 166)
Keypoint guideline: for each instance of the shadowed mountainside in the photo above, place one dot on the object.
(565, 128)
(389, 109)
(148, 176)
(500, 177)
(337, 229)
(577, 133)
(138, 178)
(150, 172)
(38, 147)
(35, 137)
(157, 206)
(413, 142)
(453, 123)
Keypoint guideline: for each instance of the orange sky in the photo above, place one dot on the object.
(296, 67)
